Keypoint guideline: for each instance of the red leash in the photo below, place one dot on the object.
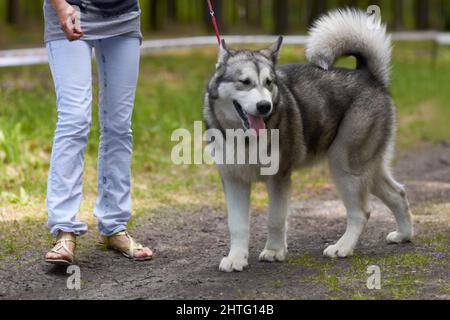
(213, 17)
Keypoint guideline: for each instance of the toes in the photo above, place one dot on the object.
(148, 252)
(396, 238)
(273, 255)
(226, 265)
(55, 256)
(144, 253)
(336, 251)
(230, 264)
(50, 255)
(330, 252)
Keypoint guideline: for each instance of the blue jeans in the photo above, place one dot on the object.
(71, 66)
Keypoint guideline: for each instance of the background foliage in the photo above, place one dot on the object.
(21, 21)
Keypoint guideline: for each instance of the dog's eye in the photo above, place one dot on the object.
(269, 82)
(245, 82)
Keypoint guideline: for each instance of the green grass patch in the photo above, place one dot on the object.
(438, 242)
(390, 263)
(306, 261)
(276, 284)
(401, 275)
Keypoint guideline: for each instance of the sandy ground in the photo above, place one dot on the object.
(189, 245)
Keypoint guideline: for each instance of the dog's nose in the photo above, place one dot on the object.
(264, 107)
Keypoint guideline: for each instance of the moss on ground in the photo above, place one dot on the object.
(402, 275)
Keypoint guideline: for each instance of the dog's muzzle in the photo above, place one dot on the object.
(254, 122)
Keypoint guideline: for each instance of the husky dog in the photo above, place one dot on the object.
(347, 116)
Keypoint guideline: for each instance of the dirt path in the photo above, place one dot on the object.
(190, 243)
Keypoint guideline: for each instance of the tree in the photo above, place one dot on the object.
(349, 3)
(258, 18)
(153, 22)
(397, 14)
(155, 19)
(315, 9)
(446, 13)
(281, 14)
(172, 10)
(13, 12)
(247, 9)
(422, 14)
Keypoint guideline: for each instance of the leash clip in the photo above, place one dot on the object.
(213, 18)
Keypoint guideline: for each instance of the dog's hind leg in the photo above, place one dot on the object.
(352, 180)
(237, 194)
(354, 155)
(354, 190)
(394, 196)
(276, 245)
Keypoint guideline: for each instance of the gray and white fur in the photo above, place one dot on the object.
(344, 115)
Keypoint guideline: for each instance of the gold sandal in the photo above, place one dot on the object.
(60, 247)
(128, 250)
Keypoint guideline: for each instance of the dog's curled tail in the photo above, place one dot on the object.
(351, 32)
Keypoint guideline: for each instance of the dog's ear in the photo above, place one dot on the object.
(224, 53)
(273, 52)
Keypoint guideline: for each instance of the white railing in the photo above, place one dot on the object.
(24, 57)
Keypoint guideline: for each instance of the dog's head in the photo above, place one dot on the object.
(245, 86)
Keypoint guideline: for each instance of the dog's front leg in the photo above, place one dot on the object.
(276, 245)
(237, 195)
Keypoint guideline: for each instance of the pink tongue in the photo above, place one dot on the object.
(256, 123)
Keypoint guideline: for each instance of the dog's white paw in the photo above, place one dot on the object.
(338, 251)
(396, 237)
(273, 255)
(233, 263)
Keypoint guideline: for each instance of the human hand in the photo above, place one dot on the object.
(69, 21)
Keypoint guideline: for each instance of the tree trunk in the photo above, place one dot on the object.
(315, 9)
(13, 12)
(446, 12)
(397, 10)
(153, 22)
(351, 3)
(421, 9)
(258, 18)
(172, 10)
(281, 14)
(248, 8)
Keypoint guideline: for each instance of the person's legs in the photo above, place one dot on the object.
(118, 68)
(70, 63)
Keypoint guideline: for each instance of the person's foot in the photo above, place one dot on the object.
(125, 244)
(63, 251)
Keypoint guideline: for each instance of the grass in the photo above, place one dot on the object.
(439, 242)
(306, 261)
(401, 275)
(408, 260)
(276, 284)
